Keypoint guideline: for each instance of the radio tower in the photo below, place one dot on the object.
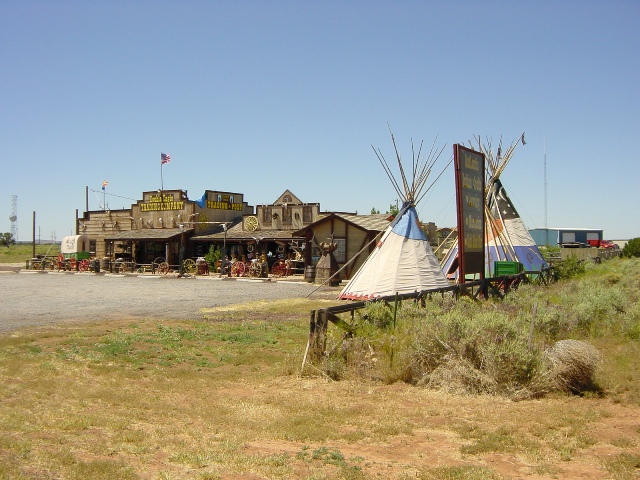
(14, 217)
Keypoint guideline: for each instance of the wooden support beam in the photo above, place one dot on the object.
(336, 320)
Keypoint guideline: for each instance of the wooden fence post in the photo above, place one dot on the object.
(317, 334)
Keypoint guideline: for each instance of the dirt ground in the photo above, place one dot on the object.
(433, 444)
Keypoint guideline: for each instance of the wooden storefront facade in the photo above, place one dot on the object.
(158, 224)
(269, 231)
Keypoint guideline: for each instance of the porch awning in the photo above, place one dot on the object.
(150, 234)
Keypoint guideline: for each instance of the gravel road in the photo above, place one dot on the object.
(29, 299)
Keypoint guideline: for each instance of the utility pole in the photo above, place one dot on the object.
(33, 230)
(546, 229)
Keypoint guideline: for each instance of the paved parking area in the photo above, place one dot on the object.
(31, 298)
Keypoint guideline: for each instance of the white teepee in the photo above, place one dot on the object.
(402, 261)
(506, 236)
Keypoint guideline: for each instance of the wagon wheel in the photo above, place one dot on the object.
(163, 268)
(123, 267)
(237, 269)
(256, 269)
(189, 266)
(156, 263)
(83, 266)
(251, 223)
(277, 269)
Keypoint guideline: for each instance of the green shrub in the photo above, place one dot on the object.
(212, 257)
(489, 346)
(486, 351)
(569, 268)
(632, 248)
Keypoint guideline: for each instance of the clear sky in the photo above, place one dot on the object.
(255, 97)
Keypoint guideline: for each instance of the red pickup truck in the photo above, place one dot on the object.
(602, 244)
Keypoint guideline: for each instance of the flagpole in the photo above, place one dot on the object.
(163, 159)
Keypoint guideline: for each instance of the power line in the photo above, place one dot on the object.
(113, 195)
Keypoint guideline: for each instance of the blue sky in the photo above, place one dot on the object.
(256, 97)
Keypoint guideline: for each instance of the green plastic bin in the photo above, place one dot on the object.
(501, 268)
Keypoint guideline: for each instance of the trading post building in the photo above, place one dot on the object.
(159, 224)
(163, 222)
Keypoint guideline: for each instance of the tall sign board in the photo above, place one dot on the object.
(469, 172)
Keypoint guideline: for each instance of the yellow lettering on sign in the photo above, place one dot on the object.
(471, 163)
(472, 201)
(158, 198)
(162, 206)
(471, 182)
(224, 205)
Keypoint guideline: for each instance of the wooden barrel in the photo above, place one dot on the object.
(310, 273)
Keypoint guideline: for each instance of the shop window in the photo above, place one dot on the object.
(306, 214)
(340, 253)
(286, 215)
(266, 214)
(92, 247)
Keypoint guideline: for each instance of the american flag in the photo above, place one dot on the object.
(165, 158)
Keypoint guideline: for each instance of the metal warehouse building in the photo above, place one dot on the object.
(558, 236)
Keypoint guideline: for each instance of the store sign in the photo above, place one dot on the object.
(469, 170)
(224, 202)
(161, 202)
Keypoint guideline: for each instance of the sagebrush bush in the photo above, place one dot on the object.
(485, 346)
(569, 268)
(485, 350)
(593, 307)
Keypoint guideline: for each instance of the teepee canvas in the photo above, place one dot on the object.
(506, 238)
(402, 261)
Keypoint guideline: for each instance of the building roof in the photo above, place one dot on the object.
(374, 223)
(148, 234)
(570, 229)
(236, 232)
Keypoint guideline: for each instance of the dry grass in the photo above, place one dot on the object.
(20, 253)
(222, 399)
